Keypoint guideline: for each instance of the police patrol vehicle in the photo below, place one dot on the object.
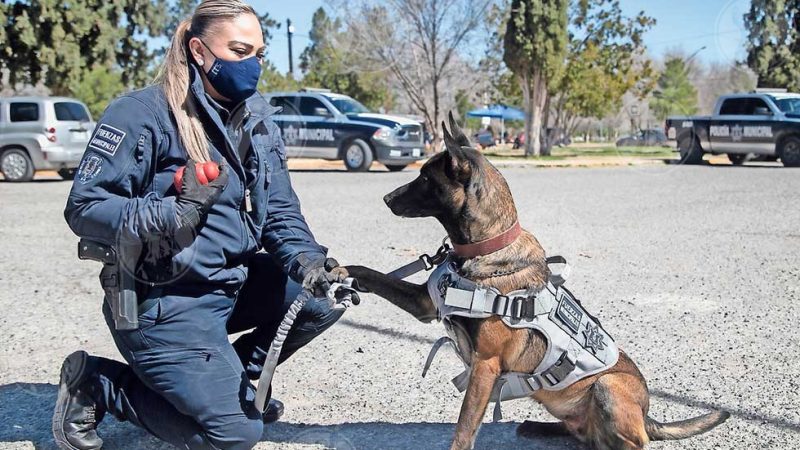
(316, 123)
(763, 124)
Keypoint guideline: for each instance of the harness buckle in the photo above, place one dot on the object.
(529, 307)
(500, 305)
(516, 308)
(559, 371)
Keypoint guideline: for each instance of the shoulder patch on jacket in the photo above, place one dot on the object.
(107, 139)
(90, 167)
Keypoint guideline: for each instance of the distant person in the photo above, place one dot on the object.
(200, 276)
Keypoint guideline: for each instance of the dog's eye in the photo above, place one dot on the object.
(424, 178)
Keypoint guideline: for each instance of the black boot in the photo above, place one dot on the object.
(274, 411)
(76, 414)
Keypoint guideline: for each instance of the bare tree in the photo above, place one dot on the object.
(717, 79)
(417, 42)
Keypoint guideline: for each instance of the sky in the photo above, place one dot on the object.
(684, 25)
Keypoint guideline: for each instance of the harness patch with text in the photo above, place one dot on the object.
(569, 313)
(107, 139)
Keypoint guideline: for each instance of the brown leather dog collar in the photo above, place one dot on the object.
(490, 245)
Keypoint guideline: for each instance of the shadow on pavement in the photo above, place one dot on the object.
(740, 413)
(26, 409)
(405, 436)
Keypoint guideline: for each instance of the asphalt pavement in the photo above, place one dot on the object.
(694, 270)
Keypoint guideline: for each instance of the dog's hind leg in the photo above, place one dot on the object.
(410, 297)
(615, 418)
(481, 383)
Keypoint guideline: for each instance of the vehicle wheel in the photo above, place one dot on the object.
(737, 159)
(67, 174)
(16, 165)
(357, 156)
(790, 152)
(690, 150)
(396, 167)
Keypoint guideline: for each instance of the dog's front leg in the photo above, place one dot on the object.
(481, 382)
(410, 297)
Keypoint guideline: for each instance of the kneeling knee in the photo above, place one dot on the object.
(237, 436)
(319, 315)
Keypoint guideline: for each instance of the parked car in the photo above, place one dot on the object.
(321, 124)
(644, 138)
(759, 124)
(42, 133)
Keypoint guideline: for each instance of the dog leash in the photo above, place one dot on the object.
(425, 262)
(341, 295)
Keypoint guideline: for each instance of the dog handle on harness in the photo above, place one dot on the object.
(560, 277)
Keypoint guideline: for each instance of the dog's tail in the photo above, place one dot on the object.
(684, 428)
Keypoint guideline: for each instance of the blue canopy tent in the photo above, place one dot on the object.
(502, 112)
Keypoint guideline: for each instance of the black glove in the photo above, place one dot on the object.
(320, 274)
(196, 199)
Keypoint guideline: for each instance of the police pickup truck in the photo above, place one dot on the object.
(320, 124)
(744, 126)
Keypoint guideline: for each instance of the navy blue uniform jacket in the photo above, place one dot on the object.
(123, 191)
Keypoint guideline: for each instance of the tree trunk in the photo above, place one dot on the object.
(436, 112)
(546, 141)
(525, 85)
(536, 97)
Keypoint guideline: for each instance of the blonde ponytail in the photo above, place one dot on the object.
(173, 75)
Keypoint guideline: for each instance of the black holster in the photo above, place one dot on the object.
(118, 281)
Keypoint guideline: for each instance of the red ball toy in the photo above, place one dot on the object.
(206, 172)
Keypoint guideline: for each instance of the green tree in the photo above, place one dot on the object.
(324, 65)
(675, 94)
(535, 44)
(605, 50)
(46, 40)
(272, 80)
(97, 87)
(773, 47)
(503, 85)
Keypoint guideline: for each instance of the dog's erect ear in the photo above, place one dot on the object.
(459, 166)
(449, 142)
(458, 134)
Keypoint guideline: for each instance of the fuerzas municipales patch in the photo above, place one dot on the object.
(90, 167)
(107, 139)
(569, 313)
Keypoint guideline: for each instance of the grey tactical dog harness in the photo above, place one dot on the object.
(577, 345)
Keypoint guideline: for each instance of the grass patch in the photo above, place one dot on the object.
(518, 155)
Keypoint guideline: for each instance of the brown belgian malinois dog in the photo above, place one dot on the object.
(469, 197)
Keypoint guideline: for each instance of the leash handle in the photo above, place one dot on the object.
(271, 360)
(343, 294)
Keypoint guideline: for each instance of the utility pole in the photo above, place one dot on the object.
(289, 33)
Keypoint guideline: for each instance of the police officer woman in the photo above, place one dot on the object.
(199, 276)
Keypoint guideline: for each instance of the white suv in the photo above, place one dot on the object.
(42, 133)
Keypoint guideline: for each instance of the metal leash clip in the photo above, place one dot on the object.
(439, 257)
